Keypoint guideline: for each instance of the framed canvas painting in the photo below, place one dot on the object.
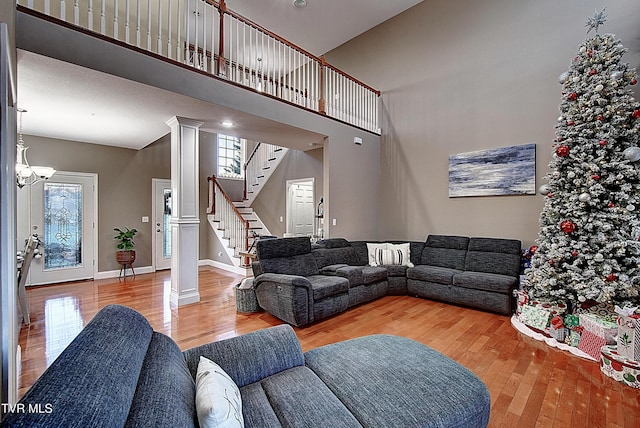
(495, 172)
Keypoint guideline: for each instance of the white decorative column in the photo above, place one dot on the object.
(185, 215)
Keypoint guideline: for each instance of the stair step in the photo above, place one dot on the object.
(272, 159)
(278, 149)
(260, 176)
(266, 167)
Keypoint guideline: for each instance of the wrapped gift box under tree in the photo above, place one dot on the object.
(628, 339)
(596, 332)
(619, 368)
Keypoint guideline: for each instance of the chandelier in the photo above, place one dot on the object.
(26, 175)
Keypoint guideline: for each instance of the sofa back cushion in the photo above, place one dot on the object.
(334, 243)
(334, 256)
(291, 256)
(445, 251)
(164, 379)
(94, 378)
(494, 255)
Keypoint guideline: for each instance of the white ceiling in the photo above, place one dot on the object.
(322, 25)
(59, 97)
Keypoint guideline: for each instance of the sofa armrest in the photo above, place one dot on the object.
(287, 297)
(282, 279)
(253, 356)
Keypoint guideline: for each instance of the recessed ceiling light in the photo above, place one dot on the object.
(300, 3)
(227, 123)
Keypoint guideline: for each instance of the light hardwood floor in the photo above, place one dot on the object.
(531, 385)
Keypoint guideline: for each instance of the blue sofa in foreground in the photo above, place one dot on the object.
(118, 372)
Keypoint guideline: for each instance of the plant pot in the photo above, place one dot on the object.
(126, 257)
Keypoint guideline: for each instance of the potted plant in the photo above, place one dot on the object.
(126, 255)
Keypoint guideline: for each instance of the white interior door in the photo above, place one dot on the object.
(300, 207)
(162, 223)
(63, 214)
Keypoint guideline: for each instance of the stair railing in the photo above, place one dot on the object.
(206, 35)
(235, 227)
(254, 167)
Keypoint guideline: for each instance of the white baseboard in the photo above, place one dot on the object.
(224, 266)
(116, 273)
(149, 269)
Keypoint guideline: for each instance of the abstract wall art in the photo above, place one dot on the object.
(504, 171)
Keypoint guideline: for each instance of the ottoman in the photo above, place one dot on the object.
(393, 381)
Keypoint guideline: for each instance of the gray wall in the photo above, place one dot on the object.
(271, 203)
(124, 186)
(465, 75)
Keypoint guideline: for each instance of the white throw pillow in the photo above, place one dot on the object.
(400, 254)
(375, 253)
(218, 402)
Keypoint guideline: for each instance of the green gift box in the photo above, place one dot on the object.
(535, 316)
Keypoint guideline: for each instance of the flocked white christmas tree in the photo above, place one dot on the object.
(588, 246)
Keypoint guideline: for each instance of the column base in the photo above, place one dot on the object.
(185, 299)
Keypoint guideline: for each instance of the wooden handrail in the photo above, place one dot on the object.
(246, 164)
(216, 183)
(223, 9)
(260, 28)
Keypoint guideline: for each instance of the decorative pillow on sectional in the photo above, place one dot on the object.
(400, 255)
(218, 401)
(375, 250)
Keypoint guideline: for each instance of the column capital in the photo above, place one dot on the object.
(183, 121)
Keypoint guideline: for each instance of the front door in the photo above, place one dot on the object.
(162, 223)
(63, 214)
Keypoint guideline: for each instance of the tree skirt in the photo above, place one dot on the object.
(522, 328)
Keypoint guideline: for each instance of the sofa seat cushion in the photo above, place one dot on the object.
(331, 269)
(324, 286)
(362, 275)
(437, 274)
(486, 281)
(391, 381)
(293, 398)
(396, 270)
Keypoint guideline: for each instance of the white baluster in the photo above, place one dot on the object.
(138, 34)
(90, 15)
(63, 9)
(76, 13)
(126, 22)
(149, 25)
(169, 50)
(187, 10)
(103, 23)
(115, 19)
(159, 27)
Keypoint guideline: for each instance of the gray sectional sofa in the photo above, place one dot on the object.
(118, 372)
(301, 283)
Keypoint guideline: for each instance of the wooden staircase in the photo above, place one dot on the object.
(235, 223)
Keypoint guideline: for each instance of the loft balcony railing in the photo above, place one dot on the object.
(211, 38)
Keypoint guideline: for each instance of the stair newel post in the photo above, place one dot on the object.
(212, 194)
(221, 61)
(321, 101)
(244, 191)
